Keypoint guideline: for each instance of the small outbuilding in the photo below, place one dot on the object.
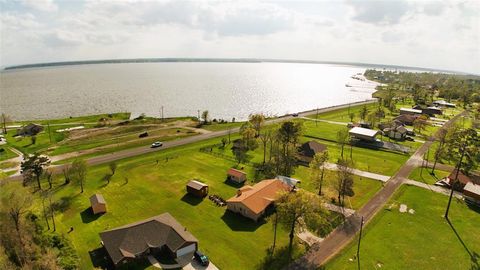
(236, 176)
(197, 188)
(363, 134)
(410, 111)
(98, 204)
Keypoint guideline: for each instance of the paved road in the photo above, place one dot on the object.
(321, 252)
(146, 149)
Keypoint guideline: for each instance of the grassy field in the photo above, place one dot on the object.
(423, 240)
(364, 188)
(343, 115)
(426, 177)
(93, 119)
(221, 126)
(231, 241)
(6, 154)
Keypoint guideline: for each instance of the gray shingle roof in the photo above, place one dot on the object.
(135, 238)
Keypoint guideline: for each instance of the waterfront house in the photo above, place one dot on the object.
(154, 236)
(253, 201)
(406, 119)
(307, 150)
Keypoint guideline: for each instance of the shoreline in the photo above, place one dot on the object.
(138, 151)
(17, 124)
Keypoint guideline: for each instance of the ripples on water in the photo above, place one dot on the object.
(225, 89)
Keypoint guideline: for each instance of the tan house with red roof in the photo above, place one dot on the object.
(252, 201)
(236, 176)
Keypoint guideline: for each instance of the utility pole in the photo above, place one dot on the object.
(49, 132)
(428, 156)
(358, 247)
(198, 117)
(423, 164)
(4, 124)
(459, 164)
(316, 118)
(162, 114)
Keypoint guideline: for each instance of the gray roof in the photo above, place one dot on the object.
(472, 188)
(292, 182)
(196, 184)
(155, 232)
(96, 199)
(411, 110)
(363, 131)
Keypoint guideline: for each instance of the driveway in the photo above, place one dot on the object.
(194, 265)
(321, 252)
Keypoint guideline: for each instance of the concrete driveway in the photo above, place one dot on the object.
(194, 265)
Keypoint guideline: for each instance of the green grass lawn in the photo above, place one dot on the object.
(343, 115)
(77, 119)
(423, 240)
(6, 154)
(364, 188)
(231, 241)
(221, 126)
(426, 177)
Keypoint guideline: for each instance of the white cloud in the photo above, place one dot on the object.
(433, 34)
(41, 5)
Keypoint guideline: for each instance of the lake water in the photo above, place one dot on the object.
(225, 89)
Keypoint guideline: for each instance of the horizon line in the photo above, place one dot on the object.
(223, 60)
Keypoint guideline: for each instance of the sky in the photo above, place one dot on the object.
(433, 34)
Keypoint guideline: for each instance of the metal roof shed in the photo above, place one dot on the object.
(363, 133)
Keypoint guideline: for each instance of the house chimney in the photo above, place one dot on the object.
(239, 192)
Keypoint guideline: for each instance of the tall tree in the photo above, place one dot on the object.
(344, 185)
(48, 175)
(32, 167)
(265, 138)
(78, 172)
(288, 135)
(5, 119)
(364, 112)
(113, 167)
(342, 139)
(317, 169)
(248, 136)
(464, 142)
(205, 116)
(441, 136)
(257, 121)
(420, 123)
(296, 209)
(16, 202)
